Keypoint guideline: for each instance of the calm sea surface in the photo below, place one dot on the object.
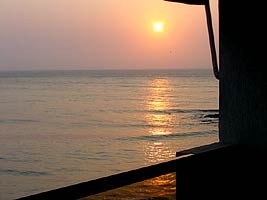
(63, 127)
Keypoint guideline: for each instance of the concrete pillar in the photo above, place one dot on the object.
(243, 76)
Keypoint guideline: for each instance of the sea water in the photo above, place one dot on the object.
(59, 128)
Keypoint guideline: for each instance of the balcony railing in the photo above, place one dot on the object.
(179, 165)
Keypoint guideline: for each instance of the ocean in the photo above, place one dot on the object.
(59, 128)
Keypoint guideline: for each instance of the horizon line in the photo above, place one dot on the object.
(106, 69)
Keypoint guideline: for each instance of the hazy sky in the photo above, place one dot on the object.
(102, 34)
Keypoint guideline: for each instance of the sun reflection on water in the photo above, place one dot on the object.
(159, 119)
(162, 187)
(157, 152)
(158, 104)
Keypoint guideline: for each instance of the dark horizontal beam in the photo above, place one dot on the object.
(214, 167)
(202, 149)
(92, 187)
(191, 2)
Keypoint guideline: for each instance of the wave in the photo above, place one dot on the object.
(23, 173)
(169, 111)
(187, 110)
(11, 121)
(169, 136)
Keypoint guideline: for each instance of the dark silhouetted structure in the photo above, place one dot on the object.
(243, 86)
(238, 170)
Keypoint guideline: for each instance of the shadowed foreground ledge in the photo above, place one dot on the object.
(243, 174)
(233, 171)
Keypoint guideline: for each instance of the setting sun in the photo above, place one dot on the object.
(158, 27)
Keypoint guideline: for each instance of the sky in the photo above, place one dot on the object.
(103, 34)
